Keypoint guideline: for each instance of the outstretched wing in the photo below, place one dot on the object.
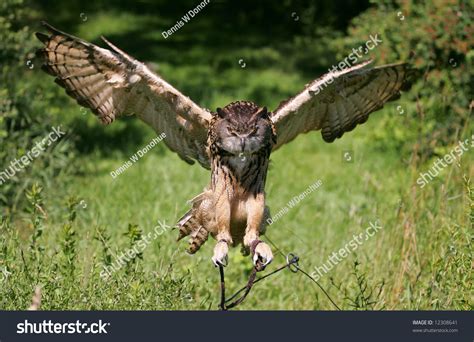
(339, 101)
(111, 84)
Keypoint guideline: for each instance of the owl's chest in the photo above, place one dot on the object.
(239, 174)
(243, 170)
(238, 165)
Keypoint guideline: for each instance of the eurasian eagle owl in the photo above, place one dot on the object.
(235, 142)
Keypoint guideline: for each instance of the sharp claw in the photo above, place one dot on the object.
(263, 257)
(220, 254)
(267, 262)
(264, 261)
(223, 263)
(256, 257)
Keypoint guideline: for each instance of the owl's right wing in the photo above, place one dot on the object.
(111, 84)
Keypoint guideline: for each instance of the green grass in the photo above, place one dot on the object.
(421, 259)
(77, 221)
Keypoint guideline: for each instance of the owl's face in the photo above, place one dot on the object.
(243, 130)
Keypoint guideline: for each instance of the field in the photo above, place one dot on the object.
(67, 218)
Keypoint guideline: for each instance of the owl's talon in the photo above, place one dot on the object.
(220, 254)
(223, 262)
(262, 254)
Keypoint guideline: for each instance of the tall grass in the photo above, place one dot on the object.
(421, 259)
(64, 219)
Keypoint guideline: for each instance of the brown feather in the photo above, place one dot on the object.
(350, 98)
(113, 84)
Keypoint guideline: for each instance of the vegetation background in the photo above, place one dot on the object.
(64, 217)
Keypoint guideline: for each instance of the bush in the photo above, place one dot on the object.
(25, 118)
(437, 38)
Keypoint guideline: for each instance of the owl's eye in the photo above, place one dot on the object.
(230, 131)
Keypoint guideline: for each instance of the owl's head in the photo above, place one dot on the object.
(243, 128)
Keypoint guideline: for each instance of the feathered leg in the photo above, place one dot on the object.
(192, 224)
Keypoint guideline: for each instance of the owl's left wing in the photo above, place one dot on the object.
(338, 101)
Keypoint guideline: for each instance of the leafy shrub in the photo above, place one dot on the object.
(25, 118)
(437, 37)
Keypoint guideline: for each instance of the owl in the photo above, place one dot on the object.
(235, 142)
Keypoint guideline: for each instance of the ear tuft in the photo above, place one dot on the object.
(260, 113)
(220, 112)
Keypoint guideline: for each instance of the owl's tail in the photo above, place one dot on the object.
(191, 225)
